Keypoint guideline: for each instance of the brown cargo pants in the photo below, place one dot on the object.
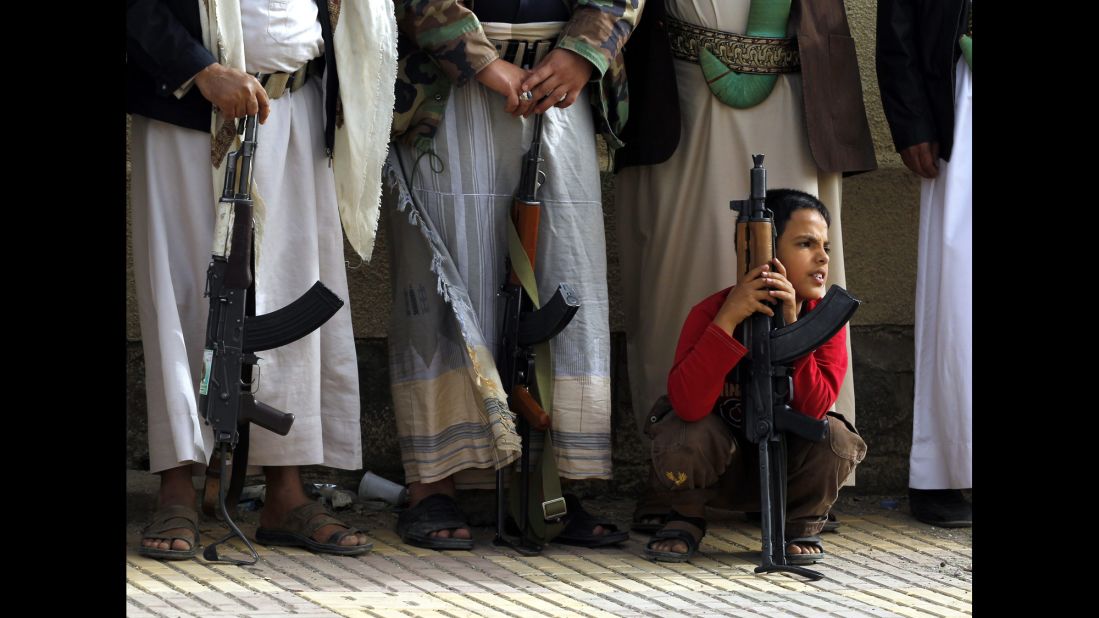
(707, 462)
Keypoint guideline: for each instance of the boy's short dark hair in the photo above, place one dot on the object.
(783, 202)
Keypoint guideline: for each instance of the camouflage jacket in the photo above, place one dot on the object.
(441, 44)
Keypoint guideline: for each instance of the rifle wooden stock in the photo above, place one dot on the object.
(524, 404)
(526, 216)
(741, 238)
(760, 246)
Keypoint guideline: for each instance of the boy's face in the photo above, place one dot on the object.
(803, 250)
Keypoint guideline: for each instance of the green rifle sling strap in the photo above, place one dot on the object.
(766, 18)
(543, 375)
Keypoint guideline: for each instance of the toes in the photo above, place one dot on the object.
(599, 531)
(351, 540)
(444, 534)
(180, 545)
(462, 533)
(678, 547)
(795, 549)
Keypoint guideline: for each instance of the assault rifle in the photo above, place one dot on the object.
(234, 334)
(526, 325)
(765, 376)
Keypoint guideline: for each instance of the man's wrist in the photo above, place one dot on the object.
(207, 72)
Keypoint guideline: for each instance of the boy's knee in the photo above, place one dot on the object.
(690, 455)
(841, 450)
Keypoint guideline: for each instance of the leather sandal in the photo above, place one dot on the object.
(433, 513)
(579, 525)
(168, 518)
(300, 524)
(690, 530)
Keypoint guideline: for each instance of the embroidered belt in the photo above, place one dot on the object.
(743, 54)
(278, 84)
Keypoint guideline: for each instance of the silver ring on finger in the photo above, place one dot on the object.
(526, 95)
(564, 95)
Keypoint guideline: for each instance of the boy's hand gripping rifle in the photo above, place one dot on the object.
(765, 376)
(234, 334)
(525, 325)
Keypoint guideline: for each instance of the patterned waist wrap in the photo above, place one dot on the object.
(741, 53)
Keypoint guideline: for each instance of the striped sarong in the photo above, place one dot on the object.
(447, 211)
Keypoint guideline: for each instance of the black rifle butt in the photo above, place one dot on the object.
(265, 416)
(815, 329)
(791, 421)
(551, 318)
(292, 322)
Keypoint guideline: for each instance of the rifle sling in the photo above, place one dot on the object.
(543, 375)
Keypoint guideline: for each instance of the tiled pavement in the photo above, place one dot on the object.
(880, 563)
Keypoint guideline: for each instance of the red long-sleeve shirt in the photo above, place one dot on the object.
(705, 354)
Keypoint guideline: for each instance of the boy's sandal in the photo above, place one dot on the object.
(300, 524)
(579, 525)
(433, 513)
(647, 519)
(169, 518)
(805, 558)
(690, 530)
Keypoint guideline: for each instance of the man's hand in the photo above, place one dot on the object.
(558, 79)
(503, 78)
(747, 297)
(923, 159)
(234, 92)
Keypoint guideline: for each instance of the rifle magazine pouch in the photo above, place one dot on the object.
(845, 440)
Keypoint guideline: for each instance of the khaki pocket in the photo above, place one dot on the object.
(845, 439)
(690, 455)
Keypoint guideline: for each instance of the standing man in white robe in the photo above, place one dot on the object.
(194, 66)
(925, 69)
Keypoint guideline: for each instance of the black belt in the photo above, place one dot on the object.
(519, 52)
(279, 83)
